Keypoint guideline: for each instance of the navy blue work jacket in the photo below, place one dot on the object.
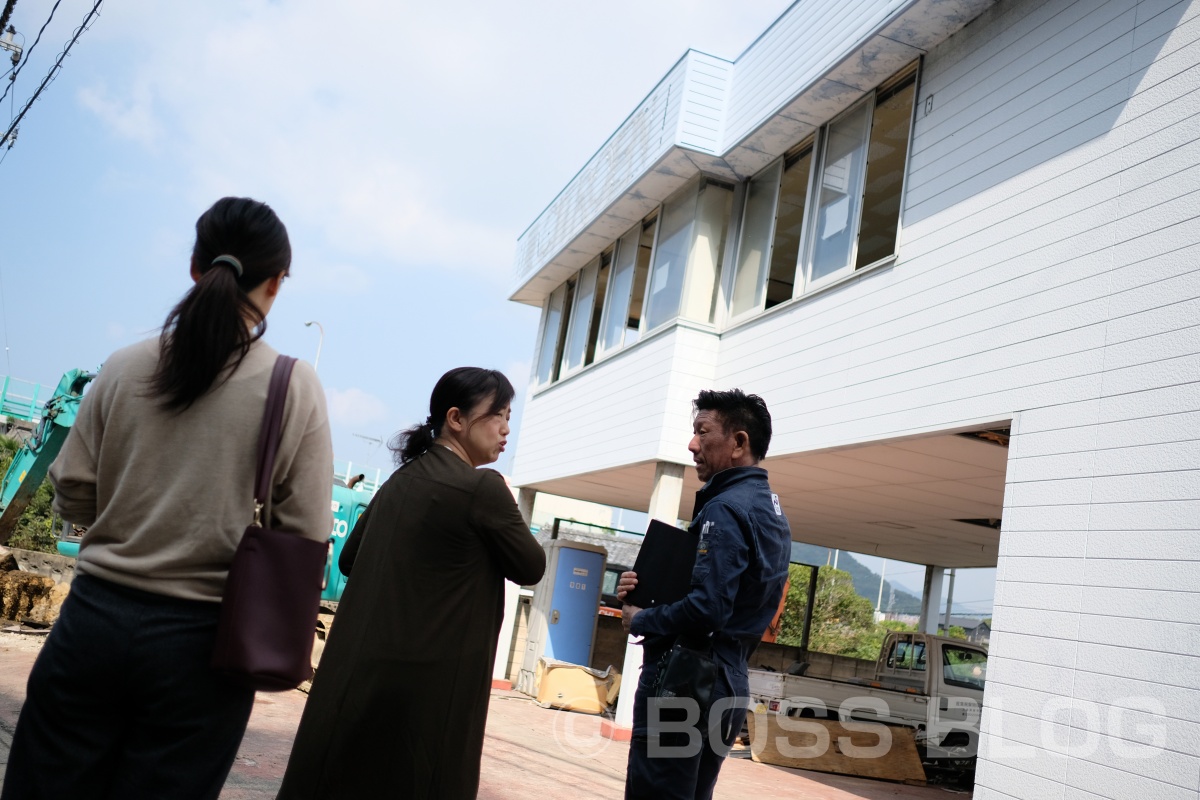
(742, 556)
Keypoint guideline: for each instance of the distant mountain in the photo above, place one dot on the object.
(866, 582)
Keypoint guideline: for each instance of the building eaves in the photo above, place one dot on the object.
(729, 119)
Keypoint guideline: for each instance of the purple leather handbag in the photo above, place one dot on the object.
(273, 594)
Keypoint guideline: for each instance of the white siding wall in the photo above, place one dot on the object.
(630, 408)
(808, 40)
(705, 94)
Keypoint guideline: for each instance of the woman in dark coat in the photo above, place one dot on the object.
(399, 704)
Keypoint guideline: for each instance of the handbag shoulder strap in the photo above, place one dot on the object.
(270, 433)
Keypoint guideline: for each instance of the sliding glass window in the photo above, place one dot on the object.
(580, 322)
(598, 306)
(789, 225)
(641, 277)
(860, 185)
(616, 312)
(550, 349)
(758, 223)
(839, 195)
(886, 157)
(670, 259)
(772, 225)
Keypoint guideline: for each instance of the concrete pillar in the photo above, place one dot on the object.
(664, 506)
(512, 603)
(525, 500)
(668, 491)
(931, 599)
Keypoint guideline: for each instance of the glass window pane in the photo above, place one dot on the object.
(641, 273)
(962, 667)
(757, 220)
(549, 352)
(598, 306)
(616, 311)
(789, 221)
(839, 193)
(670, 259)
(885, 173)
(581, 312)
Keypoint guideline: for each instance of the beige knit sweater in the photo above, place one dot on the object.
(166, 495)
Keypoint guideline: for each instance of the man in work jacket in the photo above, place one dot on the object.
(742, 555)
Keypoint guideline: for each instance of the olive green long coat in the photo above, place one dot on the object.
(399, 703)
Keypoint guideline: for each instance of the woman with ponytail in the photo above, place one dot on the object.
(159, 467)
(399, 703)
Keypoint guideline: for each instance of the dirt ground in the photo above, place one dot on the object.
(529, 751)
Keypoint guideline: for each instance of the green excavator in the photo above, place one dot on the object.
(32, 461)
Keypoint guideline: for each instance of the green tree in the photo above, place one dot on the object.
(35, 528)
(843, 621)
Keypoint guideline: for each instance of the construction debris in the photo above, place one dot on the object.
(27, 597)
(828, 746)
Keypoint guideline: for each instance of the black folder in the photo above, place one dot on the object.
(663, 566)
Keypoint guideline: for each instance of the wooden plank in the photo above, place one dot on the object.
(827, 746)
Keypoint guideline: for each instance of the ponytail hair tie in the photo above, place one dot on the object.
(231, 261)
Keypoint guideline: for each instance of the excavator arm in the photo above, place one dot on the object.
(31, 463)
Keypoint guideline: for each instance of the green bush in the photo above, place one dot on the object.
(843, 622)
(34, 529)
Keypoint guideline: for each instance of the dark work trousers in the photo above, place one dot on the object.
(677, 776)
(121, 702)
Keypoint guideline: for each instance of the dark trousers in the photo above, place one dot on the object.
(685, 774)
(121, 702)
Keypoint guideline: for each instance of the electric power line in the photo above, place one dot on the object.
(7, 13)
(29, 52)
(83, 26)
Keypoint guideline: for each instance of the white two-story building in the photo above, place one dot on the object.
(955, 245)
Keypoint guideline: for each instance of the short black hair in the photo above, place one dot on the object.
(739, 412)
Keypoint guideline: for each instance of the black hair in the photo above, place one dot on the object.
(739, 411)
(208, 326)
(462, 388)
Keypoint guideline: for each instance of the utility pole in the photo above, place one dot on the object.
(949, 601)
(882, 573)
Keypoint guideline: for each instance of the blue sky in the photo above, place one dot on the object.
(405, 145)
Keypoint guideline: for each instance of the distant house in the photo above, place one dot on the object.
(977, 630)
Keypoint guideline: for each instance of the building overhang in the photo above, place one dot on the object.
(711, 116)
(928, 500)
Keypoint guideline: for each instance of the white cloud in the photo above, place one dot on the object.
(355, 407)
(131, 117)
(405, 133)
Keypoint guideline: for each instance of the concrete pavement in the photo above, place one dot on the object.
(529, 751)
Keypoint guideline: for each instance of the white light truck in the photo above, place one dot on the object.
(932, 684)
